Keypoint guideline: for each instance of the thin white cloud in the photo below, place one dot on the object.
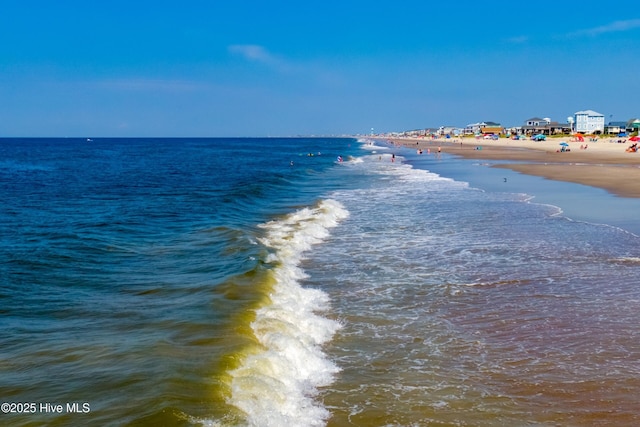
(311, 72)
(257, 53)
(252, 52)
(614, 27)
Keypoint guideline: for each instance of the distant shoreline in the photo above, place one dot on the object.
(603, 164)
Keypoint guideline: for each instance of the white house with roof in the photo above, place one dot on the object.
(473, 128)
(589, 121)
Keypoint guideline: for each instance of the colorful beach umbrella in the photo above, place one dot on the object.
(634, 138)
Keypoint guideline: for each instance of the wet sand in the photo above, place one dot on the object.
(604, 163)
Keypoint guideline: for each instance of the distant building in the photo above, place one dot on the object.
(546, 126)
(536, 121)
(473, 128)
(482, 127)
(615, 127)
(589, 121)
(633, 125)
(448, 130)
(630, 126)
(415, 133)
(492, 128)
(535, 126)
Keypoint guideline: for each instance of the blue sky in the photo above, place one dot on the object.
(286, 68)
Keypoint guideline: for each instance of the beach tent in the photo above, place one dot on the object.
(539, 137)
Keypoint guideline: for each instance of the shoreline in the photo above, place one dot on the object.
(603, 164)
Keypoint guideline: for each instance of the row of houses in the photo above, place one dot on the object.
(585, 122)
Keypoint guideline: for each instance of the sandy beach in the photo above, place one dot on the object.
(604, 163)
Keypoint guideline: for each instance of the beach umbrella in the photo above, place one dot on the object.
(564, 144)
(634, 138)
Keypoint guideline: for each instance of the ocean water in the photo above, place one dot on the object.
(262, 282)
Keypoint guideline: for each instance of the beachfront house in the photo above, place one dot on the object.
(492, 128)
(630, 126)
(615, 128)
(448, 130)
(545, 126)
(589, 121)
(482, 127)
(536, 121)
(536, 125)
(472, 129)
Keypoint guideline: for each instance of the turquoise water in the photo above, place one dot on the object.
(262, 282)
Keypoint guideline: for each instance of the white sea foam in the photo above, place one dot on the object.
(371, 145)
(277, 386)
(406, 175)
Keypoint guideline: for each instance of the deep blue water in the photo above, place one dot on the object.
(116, 257)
